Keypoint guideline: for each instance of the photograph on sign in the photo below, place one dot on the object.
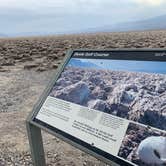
(118, 106)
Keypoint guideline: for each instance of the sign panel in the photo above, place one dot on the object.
(112, 103)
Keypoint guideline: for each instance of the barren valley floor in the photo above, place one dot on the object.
(26, 65)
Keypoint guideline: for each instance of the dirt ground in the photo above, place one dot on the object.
(26, 65)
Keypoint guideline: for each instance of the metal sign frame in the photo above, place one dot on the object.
(34, 128)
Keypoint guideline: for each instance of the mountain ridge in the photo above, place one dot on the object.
(154, 23)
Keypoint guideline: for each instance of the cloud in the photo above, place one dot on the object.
(79, 6)
(57, 15)
(150, 2)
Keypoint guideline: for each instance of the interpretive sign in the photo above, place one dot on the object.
(109, 103)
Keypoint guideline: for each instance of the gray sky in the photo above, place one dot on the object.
(19, 16)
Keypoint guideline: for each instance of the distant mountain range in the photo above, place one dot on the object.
(2, 35)
(156, 23)
(78, 63)
(33, 26)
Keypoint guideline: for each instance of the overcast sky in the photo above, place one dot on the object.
(18, 16)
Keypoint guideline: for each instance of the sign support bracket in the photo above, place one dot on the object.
(36, 144)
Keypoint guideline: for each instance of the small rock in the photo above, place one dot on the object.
(40, 69)
(30, 66)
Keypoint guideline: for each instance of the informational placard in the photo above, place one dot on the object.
(112, 103)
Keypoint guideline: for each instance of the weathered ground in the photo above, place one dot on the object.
(26, 65)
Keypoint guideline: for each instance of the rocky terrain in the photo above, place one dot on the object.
(41, 53)
(26, 65)
(134, 135)
(135, 96)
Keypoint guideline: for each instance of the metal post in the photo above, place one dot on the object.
(36, 145)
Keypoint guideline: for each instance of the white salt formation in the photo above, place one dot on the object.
(152, 150)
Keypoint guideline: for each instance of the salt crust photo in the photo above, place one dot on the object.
(137, 96)
(144, 146)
